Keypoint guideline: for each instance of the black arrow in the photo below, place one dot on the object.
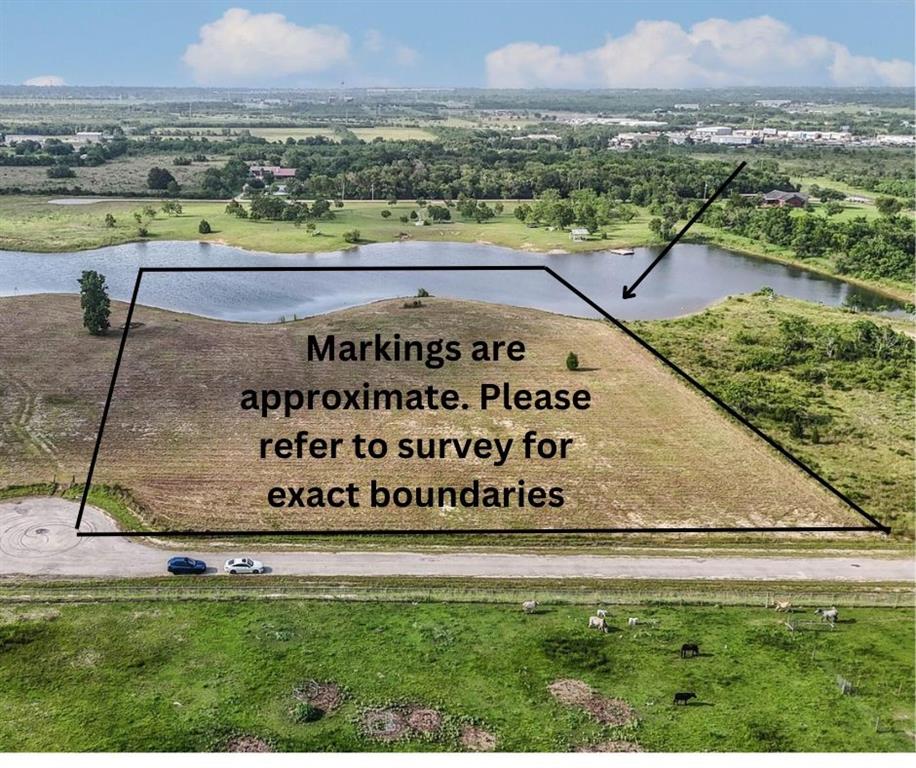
(629, 291)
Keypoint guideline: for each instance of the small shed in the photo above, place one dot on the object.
(578, 234)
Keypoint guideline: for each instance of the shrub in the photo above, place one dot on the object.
(572, 362)
(351, 236)
(386, 214)
(204, 227)
(303, 712)
(60, 172)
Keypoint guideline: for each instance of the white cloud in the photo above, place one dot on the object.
(249, 46)
(45, 80)
(715, 52)
(405, 55)
(375, 43)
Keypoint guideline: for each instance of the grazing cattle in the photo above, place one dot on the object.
(530, 606)
(682, 697)
(632, 622)
(601, 613)
(689, 649)
(830, 615)
(597, 622)
(783, 606)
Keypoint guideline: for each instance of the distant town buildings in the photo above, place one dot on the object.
(277, 172)
(743, 137)
(890, 140)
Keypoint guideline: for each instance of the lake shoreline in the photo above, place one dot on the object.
(897, 293)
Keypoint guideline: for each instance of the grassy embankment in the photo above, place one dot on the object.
(191, 675)
(858, 429)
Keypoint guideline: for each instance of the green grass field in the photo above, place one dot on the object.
(190, 675)
(32, 224)
(386, 132)
(125, 175)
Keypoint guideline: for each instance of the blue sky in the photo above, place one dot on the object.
(500, 44)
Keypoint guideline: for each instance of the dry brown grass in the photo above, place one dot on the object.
(650, 452)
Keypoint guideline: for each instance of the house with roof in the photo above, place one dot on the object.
(780, 199)
(268, 172)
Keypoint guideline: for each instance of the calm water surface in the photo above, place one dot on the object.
(686, 280)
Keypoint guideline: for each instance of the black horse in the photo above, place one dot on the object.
(689, 649)
(682, 697)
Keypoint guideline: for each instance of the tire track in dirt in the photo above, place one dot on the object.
(21, 425)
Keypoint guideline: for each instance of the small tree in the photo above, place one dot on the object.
(110, 220)
(572, 362)
(159, 178)
(94, 302)
(888, 206)
(204, 227)
(422, 293)
(351, 236)
(386, 214)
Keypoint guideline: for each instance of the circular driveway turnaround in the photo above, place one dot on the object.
(37, 538)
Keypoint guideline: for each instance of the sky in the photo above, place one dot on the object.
(427, 43)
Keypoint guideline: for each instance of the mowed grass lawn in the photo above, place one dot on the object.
(33, 224)
(166, 676)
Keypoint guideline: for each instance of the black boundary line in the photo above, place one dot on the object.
(875, 524)
(629, 291)
(111, 386)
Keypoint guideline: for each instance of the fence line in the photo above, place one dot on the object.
(763, 597)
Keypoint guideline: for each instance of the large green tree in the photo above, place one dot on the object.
(95, 303)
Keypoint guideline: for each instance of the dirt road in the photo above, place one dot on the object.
(37, 538)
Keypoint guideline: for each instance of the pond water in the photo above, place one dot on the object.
(686, 280)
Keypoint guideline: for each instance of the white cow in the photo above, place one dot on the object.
(597, 622)
(632, 622)
(530, 606)
(830, 615)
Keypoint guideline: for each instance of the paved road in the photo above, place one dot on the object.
(37, 538)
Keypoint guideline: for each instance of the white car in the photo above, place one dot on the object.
(243, 565)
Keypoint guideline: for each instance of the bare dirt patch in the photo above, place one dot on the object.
(384, 724)
(609, 746)
(578, 694)
(393, 723)
(323, 696)
(425, 721)
(246, 743)
(477, 739)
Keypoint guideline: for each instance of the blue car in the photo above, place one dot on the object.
(186, 565)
